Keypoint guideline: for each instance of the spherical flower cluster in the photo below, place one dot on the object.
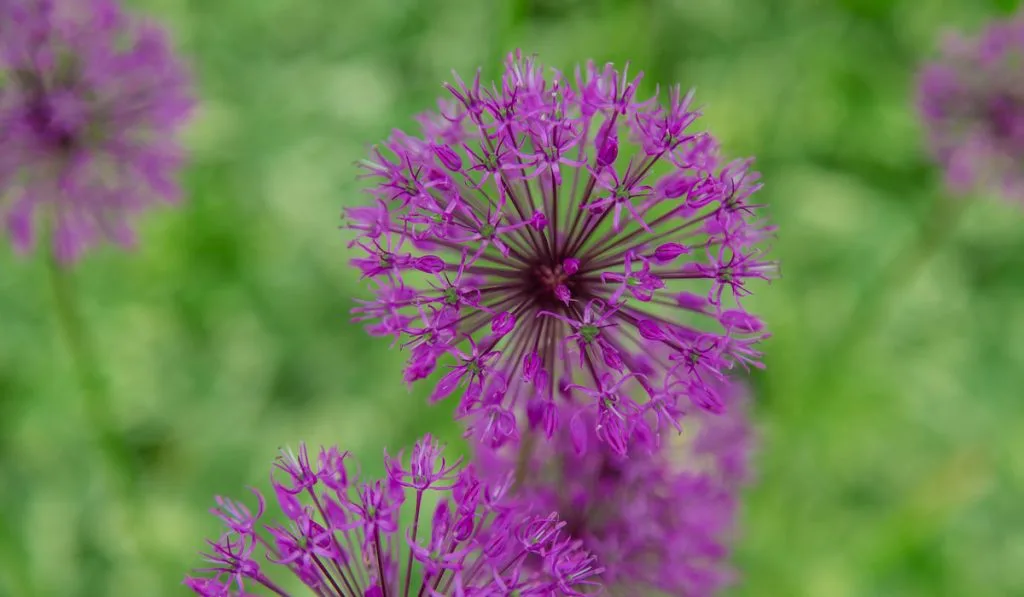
(90, 99)
(345, 538)
(659, 522)
(554, 237)
(972, 103)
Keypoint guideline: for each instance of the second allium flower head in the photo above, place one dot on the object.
(90, 101)
(518, 243)
(558, 523)
(347, 538)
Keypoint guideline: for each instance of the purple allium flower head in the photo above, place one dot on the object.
(343, 537)
(658, 522)
(90, 101)
(555, 237)
(972, 103)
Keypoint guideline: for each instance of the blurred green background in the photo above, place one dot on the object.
(227, 334)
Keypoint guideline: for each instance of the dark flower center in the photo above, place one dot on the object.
(544, 279)
(611, 471)
(1006, 118)
(40, 114)
(575, 523)
(42, 119)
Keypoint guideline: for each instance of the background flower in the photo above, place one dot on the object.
(660, 521)
(522, 244)
(90, 101)
(972, 103)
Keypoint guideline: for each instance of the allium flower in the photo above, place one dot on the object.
(521, 243)
(972, 103)
(90, 99)
(345, 538)
(659, 522)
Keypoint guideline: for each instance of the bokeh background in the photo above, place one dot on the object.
(227, 334)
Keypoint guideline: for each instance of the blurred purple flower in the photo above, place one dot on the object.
(972, 102)
(525, 246)
(658, 521)
(345, 537)
(90, 100)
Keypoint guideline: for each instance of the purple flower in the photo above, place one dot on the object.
(345, 537)
(658, 521)
(972, 103)
(585, 246)
(90, 100)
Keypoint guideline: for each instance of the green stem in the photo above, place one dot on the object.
(874, 303)
(90, 377)
(14, 560)
(122, 470)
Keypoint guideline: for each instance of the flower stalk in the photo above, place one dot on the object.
(91, 380)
